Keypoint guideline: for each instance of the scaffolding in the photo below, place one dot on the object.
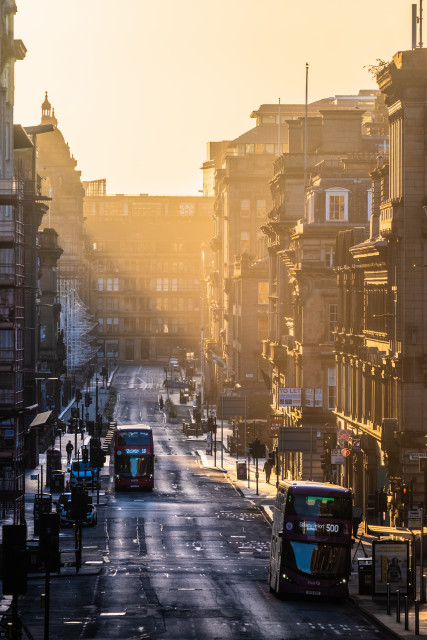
(76, 325)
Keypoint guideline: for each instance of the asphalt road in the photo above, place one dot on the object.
(188, 560)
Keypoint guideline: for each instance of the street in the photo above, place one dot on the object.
(188, 560)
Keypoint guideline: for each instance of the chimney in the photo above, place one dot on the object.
(341, 130)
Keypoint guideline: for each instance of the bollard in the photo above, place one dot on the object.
(397, 605)
(417, 617)
(406, 613)
(388, 599)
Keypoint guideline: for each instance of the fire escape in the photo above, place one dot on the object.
(11, 349)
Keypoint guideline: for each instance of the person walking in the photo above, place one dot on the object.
(69, 449)
(267, 468)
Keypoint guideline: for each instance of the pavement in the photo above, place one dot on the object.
(374, 608)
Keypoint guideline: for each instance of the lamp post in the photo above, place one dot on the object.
(96, 399)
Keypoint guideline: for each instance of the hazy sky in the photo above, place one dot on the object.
(140, 86)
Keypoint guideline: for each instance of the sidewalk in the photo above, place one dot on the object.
(374, 608)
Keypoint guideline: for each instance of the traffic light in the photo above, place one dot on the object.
(88, 399)
(329, 440)
(252, 449)
(323, 462)
(382, 501)
(49, 540)
(404, 493)
(79, 503)
(78, 395)
(14, 559)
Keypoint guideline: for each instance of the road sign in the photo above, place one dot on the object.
(344, 435)
(298, 439)
(336, 456)
(230, 406)
(418, 455)
(414, 519)
(356, 446)
(345, 452)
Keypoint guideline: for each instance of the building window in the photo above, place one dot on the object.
(244, 241)
(109, 284)
(261, 208)
(262, 292)
(186, 209)
(337, 205)
(333, 319)
(310, 207)
(115, 284)
(100, 284)
(268, 119)
(330, 257)
(332, 378)
(262, 328)
(250, 148)
(245, 208)
(270, 147)
(369, 192)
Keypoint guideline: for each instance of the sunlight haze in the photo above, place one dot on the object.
(139, 87)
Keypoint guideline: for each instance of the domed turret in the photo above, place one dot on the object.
(48, 114)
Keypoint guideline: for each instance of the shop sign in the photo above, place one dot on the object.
(275, 423)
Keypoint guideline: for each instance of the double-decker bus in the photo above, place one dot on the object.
(311, 539)
(133, 457)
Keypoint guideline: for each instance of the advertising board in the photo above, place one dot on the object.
(390, 559)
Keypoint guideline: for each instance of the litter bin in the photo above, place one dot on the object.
(57, 481)
(364, 572)
(241, 470)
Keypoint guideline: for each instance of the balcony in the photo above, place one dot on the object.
(11, 190)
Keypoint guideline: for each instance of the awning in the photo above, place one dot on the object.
(41, 418)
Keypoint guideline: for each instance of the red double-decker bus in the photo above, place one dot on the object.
(134, 457)
(311, 539)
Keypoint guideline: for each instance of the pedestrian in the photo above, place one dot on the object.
(161, 403)
(267, 468)
(357, 513)
(69, 449)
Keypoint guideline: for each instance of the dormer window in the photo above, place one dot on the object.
(337, 205)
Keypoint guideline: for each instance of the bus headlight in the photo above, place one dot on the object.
(342, 581)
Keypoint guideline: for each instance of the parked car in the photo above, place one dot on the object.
(82, 473)
(63, 508)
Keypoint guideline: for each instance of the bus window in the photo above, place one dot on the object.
(133, 437)
(318, 506)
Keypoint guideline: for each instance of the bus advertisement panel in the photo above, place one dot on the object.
(134, 457)
(311, 539)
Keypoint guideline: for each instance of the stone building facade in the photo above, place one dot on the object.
(146, 273)
(302, 228)
(381, 338)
